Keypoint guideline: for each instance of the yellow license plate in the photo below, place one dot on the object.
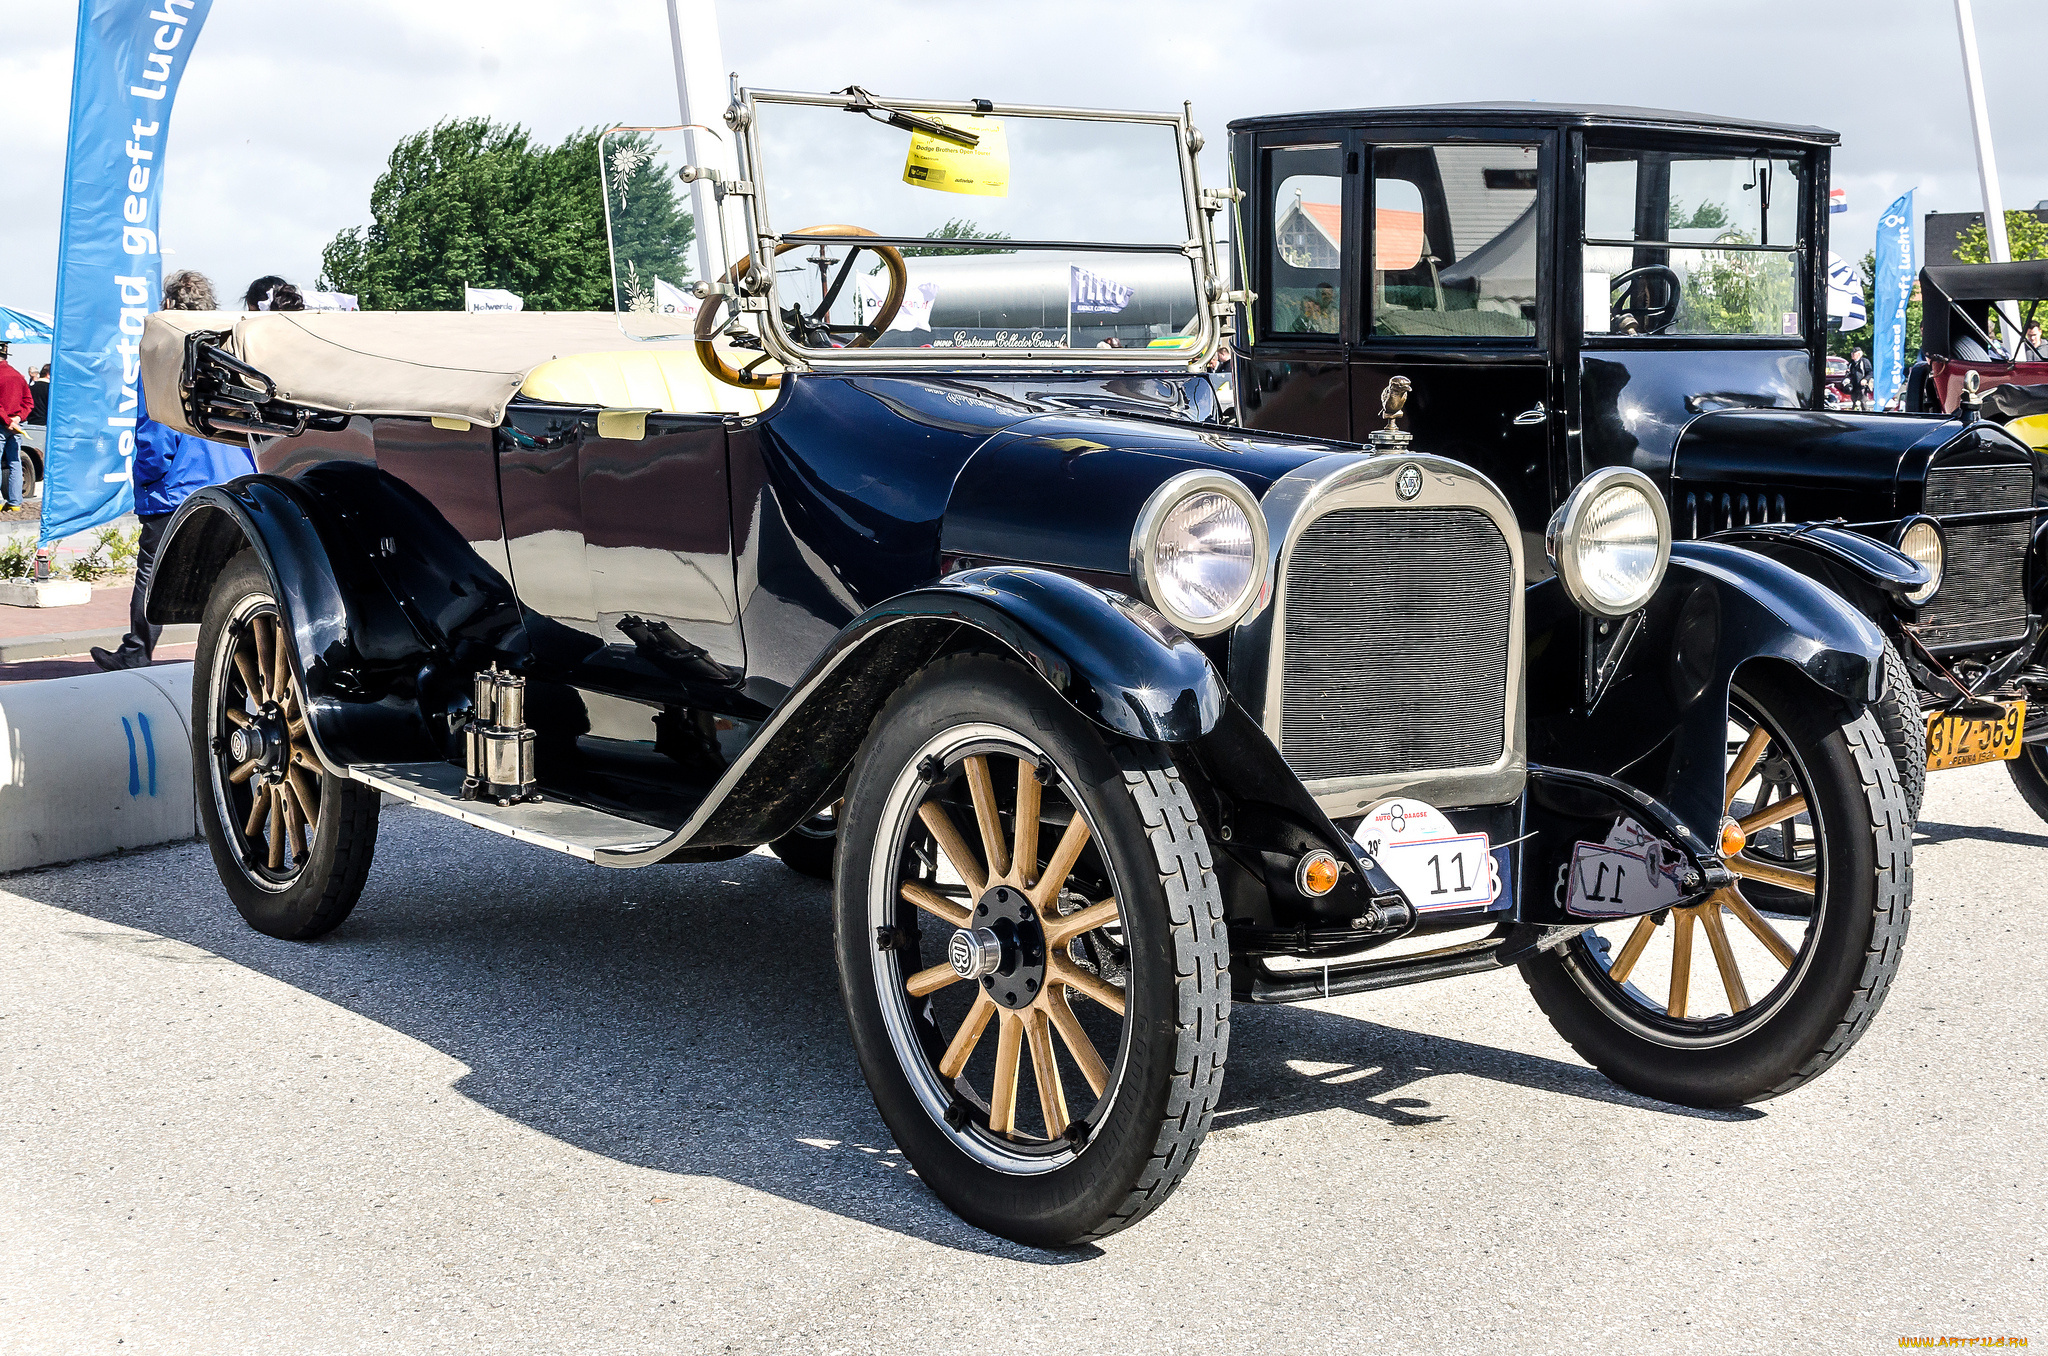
(1957, 741)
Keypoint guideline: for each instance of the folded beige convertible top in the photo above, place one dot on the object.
(419, 363)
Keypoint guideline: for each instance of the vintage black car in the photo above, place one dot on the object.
(945, 579)
(1572, 289)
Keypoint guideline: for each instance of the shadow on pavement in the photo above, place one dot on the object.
(1928, 832)
(687, 1019)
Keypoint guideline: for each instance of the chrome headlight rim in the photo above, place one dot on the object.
(1566, 522)
(1921, 597)
(1144, 533)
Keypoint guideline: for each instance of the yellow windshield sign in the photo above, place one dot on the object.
(982, 169)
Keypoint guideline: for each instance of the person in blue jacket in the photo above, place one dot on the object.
(168, 467)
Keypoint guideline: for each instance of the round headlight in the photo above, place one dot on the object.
(1610, 542)
(1920, 538)
(1198, 552)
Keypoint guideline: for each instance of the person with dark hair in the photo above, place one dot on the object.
(15, 406)
(39, 391)
(169, 466)
(272, 293)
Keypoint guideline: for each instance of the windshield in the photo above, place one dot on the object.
(1692, 243)
(1052, 232)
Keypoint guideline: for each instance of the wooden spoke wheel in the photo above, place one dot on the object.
(1764, 984)
(1008, 939)
(292, 842)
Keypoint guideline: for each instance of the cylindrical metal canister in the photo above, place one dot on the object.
(511, 702)
(508, 758)
(473, 750)
(487, 697)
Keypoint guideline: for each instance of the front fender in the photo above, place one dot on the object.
(1112, 658)
(1866, 559)
(1658, 720)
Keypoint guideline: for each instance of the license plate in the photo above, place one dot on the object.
(1959, 741)
(1441, 873)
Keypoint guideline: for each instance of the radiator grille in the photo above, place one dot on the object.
(1396, 655)
(1984, 596)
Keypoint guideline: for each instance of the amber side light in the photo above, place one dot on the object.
(1316, 875)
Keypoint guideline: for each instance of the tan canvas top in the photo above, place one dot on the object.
(421, 363)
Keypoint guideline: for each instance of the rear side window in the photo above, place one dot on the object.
(1454, 241)
(1306, 260)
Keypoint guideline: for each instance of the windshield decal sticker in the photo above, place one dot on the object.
(982, 169)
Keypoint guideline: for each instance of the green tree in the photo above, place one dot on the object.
(2026, 237)
(479, 202)
(958, 228)
(651, 232)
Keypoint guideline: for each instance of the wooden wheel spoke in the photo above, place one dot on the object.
(243, 773)
(1749, 868)
(1746, 913)
(1076, 1040)
(259, 810)
(1624, 962)
(294, 822)
(931, 981)
(1774, 814)
(1060, 970)
(1061, 864)
(982, 788)
(1724, 956)
(1745, 762)
(953, 846)
(276, 831)
(932, 902)
(306, 789)
(1002, 1102)
(239, 718)
(1063, 929)
(1030, 798)
(1681, 962)
(1045, 1072)
(280, 662)
(967, 1037)
(252, 682)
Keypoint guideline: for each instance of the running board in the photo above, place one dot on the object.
(557, 825)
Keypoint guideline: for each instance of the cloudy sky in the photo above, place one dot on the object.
(288, 111)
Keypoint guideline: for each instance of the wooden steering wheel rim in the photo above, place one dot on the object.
(707, 315)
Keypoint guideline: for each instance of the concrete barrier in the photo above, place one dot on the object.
(95, 763)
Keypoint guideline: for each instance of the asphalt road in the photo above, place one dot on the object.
(519, 1104)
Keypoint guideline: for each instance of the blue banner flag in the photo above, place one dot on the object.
(131, 56)
(1890, 290)
(23, 327)
(1090, 293)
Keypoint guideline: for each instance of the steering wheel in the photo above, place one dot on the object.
(811, 328)
(1648, 319)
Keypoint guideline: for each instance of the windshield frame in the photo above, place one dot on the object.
(1199, 248)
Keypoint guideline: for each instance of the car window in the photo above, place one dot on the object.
(1454, 250)
(1682, 242)
(1306, 264)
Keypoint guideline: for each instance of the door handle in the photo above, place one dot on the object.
(1535, 414)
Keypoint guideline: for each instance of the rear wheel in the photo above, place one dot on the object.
(2029, 773)
(292, 843)
(811, 845)
(1797, 954)
(1032, 950)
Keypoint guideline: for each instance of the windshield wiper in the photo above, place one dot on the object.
(860, 101)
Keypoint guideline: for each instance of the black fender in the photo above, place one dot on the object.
(390, 611)
(1110, 657)
(1657, 720)
(1829, 553)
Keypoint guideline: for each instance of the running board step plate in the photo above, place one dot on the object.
(574, 829)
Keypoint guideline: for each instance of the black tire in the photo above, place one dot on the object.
(1835, 980)
(307, 893)
(809, 848)
(31, 476)
(2029, 774)
(1905, 729)
(1164, 958)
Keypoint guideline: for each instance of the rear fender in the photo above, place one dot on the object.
(1110, 657)
(384, 642)
(1658, 720)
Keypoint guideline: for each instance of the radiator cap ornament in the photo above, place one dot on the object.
(1408, 481)
(1393, 400)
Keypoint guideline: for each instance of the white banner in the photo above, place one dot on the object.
(476, 299)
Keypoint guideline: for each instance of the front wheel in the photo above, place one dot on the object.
(1798, 953)
(1033, 955)
(292, 842)
(2029, 773)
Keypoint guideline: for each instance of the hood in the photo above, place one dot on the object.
(1065, 489)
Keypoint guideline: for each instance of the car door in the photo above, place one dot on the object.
(1453, 264)
(1294, 375)
(621, 551)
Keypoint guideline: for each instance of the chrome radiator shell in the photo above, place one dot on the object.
(1259, 652)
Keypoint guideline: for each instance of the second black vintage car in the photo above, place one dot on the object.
(1572, 289)
(921, 555)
